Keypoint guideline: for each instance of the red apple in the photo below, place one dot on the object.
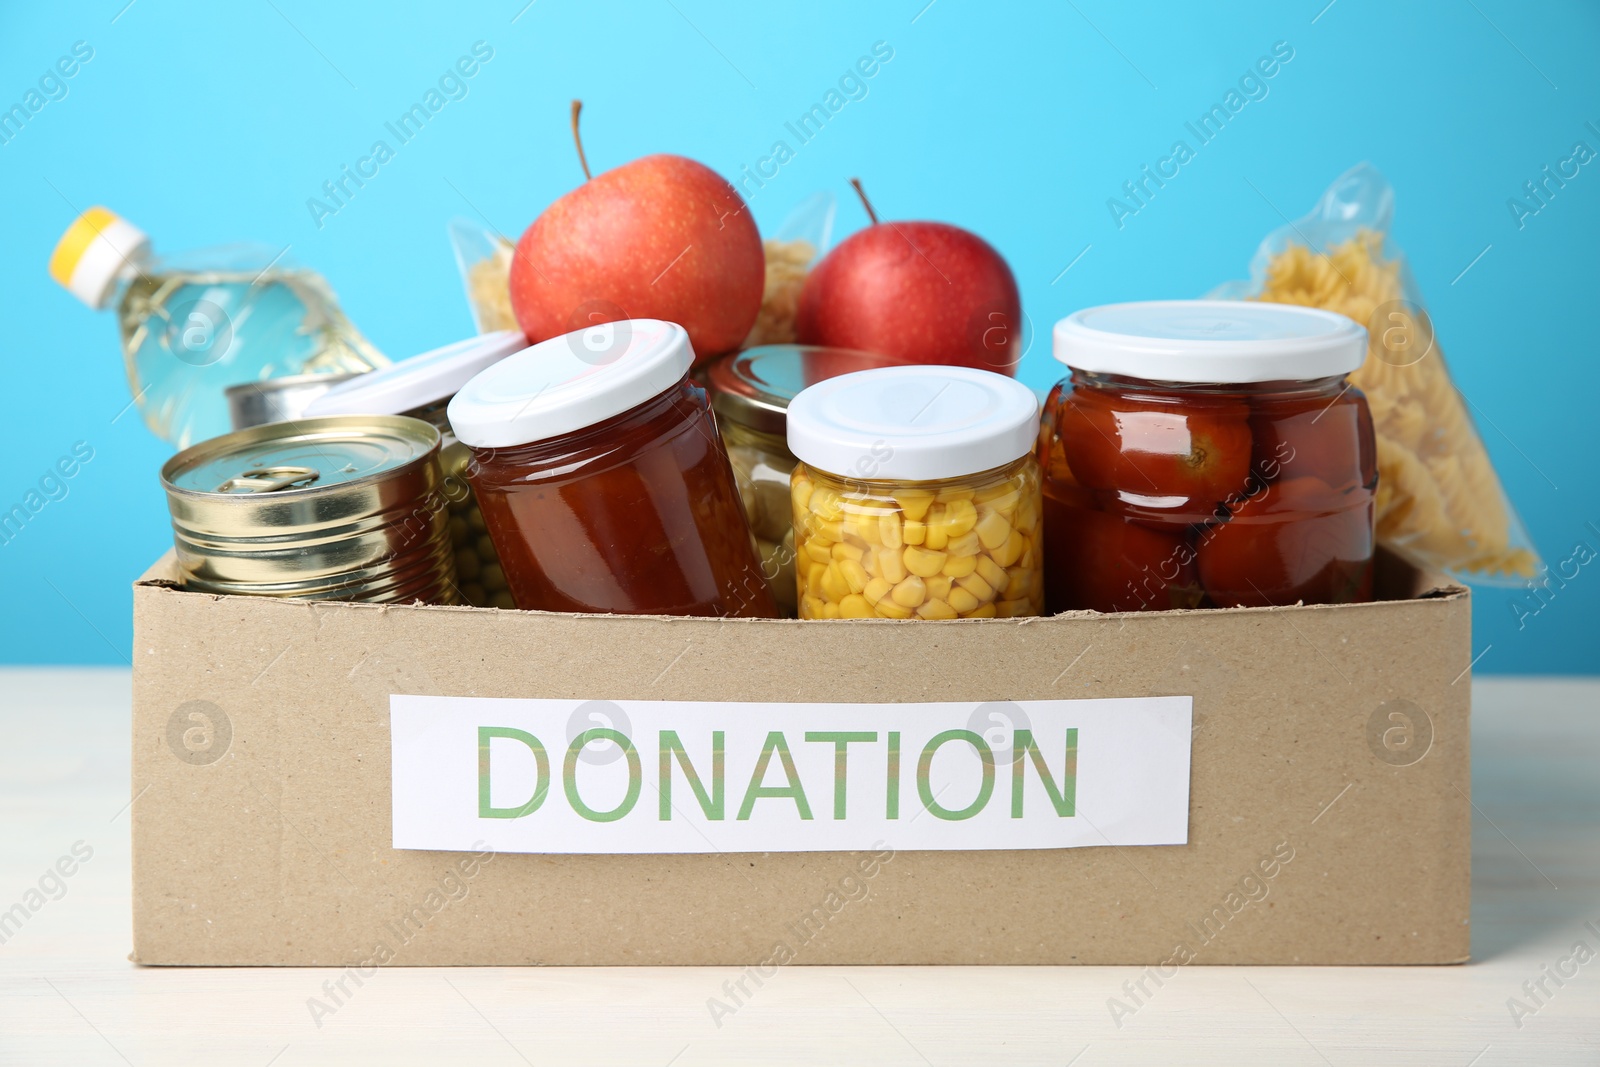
(662, 237)
(926, 292)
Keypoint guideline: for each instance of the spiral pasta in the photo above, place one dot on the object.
(489, 286)
(1440, 503)
(788, 262)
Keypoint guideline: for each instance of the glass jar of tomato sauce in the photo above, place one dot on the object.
(1207, 454)
(603, 483)
(916, 496)
(750, 393)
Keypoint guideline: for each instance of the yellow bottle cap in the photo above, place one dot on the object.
(93, 252)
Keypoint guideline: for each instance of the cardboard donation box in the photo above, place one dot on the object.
(331, 784)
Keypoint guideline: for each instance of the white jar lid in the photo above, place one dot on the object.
(1210, 341)
(419, 381)
(570, 382)
(913, 423)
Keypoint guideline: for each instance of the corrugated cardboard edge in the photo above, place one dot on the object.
(206, 891)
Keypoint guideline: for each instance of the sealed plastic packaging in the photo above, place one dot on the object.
(917, 496)
(197, 322)
(483, 257)
(602, 480)
(1440, 504)
(790, 254)
(1207, 454)
(422, 387)
(750, 392)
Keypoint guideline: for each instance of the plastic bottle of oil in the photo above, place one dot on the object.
(195, 323)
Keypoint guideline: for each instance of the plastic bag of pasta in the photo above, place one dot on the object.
(803, 237)
(483, 256)
(1440, 503)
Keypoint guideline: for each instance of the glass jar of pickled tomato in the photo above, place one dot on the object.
(750, 393)
(1207, 454)
(916, 496)
(603, 483)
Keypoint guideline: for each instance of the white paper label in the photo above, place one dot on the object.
(658, 776)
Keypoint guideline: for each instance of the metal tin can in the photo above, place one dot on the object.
(342, 508)
(278, 399)
(421, 387)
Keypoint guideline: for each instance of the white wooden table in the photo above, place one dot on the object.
(68, 994)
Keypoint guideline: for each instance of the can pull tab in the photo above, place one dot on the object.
(270, 480)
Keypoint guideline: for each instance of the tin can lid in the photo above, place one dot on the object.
(419, 381)
(285, 459)
(913, 423)
(265, 400)
(567, 383)
(289, 383)
(1210, 341)
(753, 388)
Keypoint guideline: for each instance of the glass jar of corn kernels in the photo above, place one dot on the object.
(422, 387)
(917, 496)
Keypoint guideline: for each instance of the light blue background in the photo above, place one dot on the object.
(207, 122)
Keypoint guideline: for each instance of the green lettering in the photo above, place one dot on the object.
(569, 775)
(541, 785)
(892, 809)
(712, 805)
(775, 743)
(1065, 799)
(925, 763)
(841, 742)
